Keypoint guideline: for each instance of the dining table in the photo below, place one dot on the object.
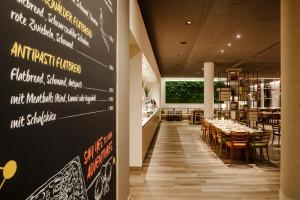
(227, 126)
(270, 117)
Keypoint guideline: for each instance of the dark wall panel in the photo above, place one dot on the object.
(58, 83)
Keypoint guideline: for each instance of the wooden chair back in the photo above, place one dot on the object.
(219, 133)
(276, 129)
(261, 137)
(238, 138)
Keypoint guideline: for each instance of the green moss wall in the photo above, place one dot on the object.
(187, 92)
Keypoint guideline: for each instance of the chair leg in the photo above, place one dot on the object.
(260, 154)
(246, 152)
(220, 152)
(273, 139)
(216, 144)
(254, 154)
(278, 141)
(231, 153)
(226, 151)
(267, 150)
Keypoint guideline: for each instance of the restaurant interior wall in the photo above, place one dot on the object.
(139, 32)
(135, 106)
(140, 47)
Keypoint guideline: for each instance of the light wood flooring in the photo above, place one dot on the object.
(179, 165)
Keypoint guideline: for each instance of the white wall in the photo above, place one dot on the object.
(140, 39)
(139, 32)
(179, 105)
(135, 110)
(122, 103)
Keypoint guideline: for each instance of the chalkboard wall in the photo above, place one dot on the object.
(58, 83)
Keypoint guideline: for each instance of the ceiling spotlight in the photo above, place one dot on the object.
(222, 50)
(238, 36)
(229, 44)
(188, 22)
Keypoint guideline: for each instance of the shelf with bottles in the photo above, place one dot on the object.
(149, 106)
(244, 92)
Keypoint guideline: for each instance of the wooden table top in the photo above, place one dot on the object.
(270, 113)
(227, 126)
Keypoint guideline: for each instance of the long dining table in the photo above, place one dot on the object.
(228, 126)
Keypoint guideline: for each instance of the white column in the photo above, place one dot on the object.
(290, 74)
(209, 89)
(135, 111)
(122, 102)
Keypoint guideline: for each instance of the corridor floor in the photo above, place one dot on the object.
(179, 165)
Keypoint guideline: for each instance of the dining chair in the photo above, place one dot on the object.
(203, 128)
(276, 132)
(196, 116)
(260, 140)
(213, 133)
(261, 121)
(207, 133)
(252, 124)
(238, 140)
(221, 139)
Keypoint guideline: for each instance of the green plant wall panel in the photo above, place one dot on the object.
(187, 91)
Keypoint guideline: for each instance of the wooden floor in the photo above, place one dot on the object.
(180, 165)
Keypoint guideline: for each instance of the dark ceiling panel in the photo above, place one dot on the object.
(215, 23)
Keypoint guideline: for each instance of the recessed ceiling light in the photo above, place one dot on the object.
(229, 44)
(238, 36)
(183, 42)
(222, 50)
(188, 22)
